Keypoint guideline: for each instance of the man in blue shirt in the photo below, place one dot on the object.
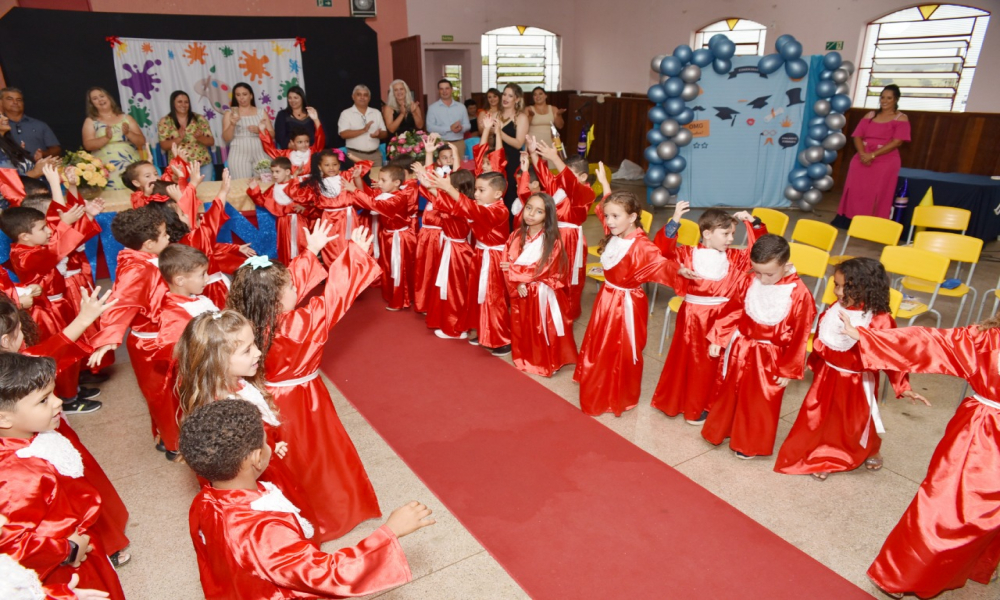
(448, 118)
(33, 134)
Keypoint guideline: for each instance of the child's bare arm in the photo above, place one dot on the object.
(409, 518)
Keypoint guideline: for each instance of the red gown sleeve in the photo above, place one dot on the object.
(667, 245)
(479, 152)
(351, 272)
(268, 143)
(189, 203)
(655, 268)
(203, 236)
(524, 187)
(900, 380)
(360, 169)
(545, 177)
(921, 350)
(133, 291)
(63, 350)
(319, 141)
(554, 274)
(266, 201)
(168, 174)
(792, 359)
(729, 317)
(25, 499)
(7, 286)
(307, 273)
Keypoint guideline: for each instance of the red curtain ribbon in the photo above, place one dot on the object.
(113, 40)
(301, 43)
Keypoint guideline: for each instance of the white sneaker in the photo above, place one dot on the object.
(444, 336)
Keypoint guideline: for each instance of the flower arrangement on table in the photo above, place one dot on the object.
(92, 172)
(263, 170)
(410, 142)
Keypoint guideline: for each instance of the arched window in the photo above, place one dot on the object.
(746, 34)
(527, 56)
(929, 51)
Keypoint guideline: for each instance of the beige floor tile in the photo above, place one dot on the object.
(478, 577)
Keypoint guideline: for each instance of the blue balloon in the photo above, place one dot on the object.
(791, 50)
(656, 93)
(674, 106)
(802, 184)
(654, 137)
(832, 61)
(674, 86)
(816, 170)
(817, 121)
(840, 103)
(670, 65)
(782, 40)
(683, 53)
(657, 114)
(725, 49)
(818, 132)
(673, 191)
(651, 156)
(796, 67)
(797, 173)
(770, 63)
(715, 39)
(811, 142)
(722, 65)
(677, 164)
(825, 75)
(829, 156)
(702, 57)
(685, 117)
(826, 88)
(654, 175)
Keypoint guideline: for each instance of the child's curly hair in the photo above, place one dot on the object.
(866, 284)
(989, 323)
(218, 437)
(256, 294)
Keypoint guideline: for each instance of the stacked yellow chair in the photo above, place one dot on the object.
(958, 248)
(815, 234)
(920, 264)
(811, 262)
(939, 217)
(873, 229)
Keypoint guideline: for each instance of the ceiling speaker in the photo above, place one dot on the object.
(363, 8)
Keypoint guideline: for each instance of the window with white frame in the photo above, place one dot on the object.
(929, 51)
(527, 56)
(749, 36)
(453, 73)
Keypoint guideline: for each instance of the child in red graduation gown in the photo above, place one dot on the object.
(299, 151)
(838, 425)
(430, 240)
(688, 381)
(951, 531)
(141, 175)
(395, 240)
(536, 270)
(251, 540)
(292, 340)
(286, 201)
(75, 268)
(609, 369)
(327, 194)
(763, 329)
(46, 497)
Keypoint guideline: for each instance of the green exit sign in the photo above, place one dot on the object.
(835, 45)
(447, 38)
(324, 3)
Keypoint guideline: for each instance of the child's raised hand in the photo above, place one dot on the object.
(680, 209)
(546, 151)
(319, 237)
(174, 192)
(418, 168)
(743, 216)
(409, 518)
(602, 177)
(487, 124)
(195, 170)
(178, 171)
(253, 184)
(349, 186)
(363, 238)
(93, 207)
(72, 177)
(98, 355)
(51, 174)
(312, 113)
(524, 162)
(849, 329)
(85, 594)
(247, 250)
(227, 181)
(532, 143)
(714, 350)
(281, 449)
(93, 304)
(72, 215)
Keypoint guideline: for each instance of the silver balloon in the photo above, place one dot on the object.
(659, 197)
(813, 197)
(672, 181)
(847, 66)
(824, 184)
(691, 90)
(822, 107)
(666, 150)
(691, 74)
(792, 194)
(836, 121)
(662, 79)
(803, 205)
(669, 128)
(813, 154)
(844, 89)
(835, 141)
(803, 160)
(655, 64)
(683, 137)
(840, 76)
(829, 170)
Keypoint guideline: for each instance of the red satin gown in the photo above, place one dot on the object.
(250, 544)
(448, 294)
(337, 208)
(836, 428)
(428, 257)
(221, 257)
(541, 333)
(301, 161)
(951, 530)
(320, 453)
(44, 506)
(286, 201)
(76, 269)
(396, 241)
(688, 381)
(764, 329)
(609, 369)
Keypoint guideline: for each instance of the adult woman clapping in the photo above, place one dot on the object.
(241, 130)
(189, 131)
(871, 179)
(543, 116)
(294, 117)
(111, 135)
(400, 112)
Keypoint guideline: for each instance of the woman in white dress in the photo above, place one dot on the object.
(241, 128)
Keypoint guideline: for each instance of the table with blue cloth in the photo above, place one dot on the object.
(976, 193)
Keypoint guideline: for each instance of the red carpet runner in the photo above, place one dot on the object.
(568, 507)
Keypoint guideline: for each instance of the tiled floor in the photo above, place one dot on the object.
(841, 522)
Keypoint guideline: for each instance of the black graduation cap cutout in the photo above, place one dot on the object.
(758, 102)
(794, 96)
(725, 114)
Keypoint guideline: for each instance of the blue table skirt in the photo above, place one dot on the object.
(977, 193)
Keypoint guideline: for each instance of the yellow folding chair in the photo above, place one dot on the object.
(810, 262)
(919, 264)
(873, 229)
(775, 221)
(687, 235)
(939, 217)
(815, 234)
(958, 248)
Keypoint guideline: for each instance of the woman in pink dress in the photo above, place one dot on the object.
(871, 180)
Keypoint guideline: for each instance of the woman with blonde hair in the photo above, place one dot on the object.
(514, 125)
(401, 112)
(110, 135)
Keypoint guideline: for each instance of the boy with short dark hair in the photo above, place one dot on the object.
(286, 200)
(49, 504)
(252, 542)
(763, 328)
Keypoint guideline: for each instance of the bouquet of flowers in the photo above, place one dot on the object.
(263, 170)
(411, 142)
(92, 171)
